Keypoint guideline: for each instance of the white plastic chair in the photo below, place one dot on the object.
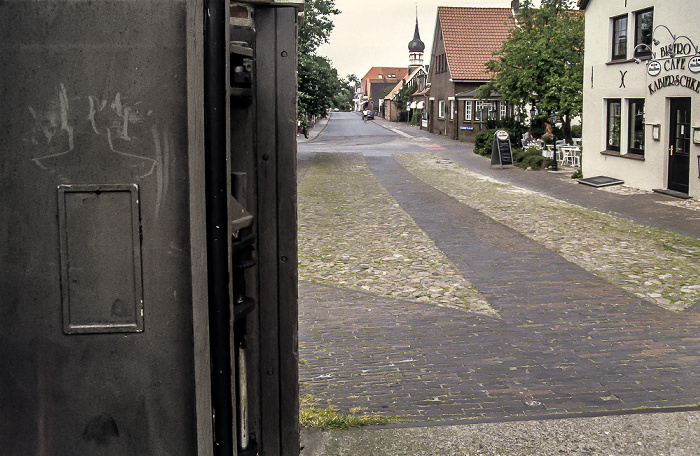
(558, 145)
(570, 155)
(575, 156)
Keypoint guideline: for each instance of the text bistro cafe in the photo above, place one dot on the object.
(648, 132)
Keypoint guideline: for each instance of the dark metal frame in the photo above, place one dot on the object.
(211, 228)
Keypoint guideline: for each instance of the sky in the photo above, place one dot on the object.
(371, 33)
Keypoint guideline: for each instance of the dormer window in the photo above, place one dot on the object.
(379, 76)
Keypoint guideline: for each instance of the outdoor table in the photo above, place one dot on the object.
(570, 154)
(549, 151)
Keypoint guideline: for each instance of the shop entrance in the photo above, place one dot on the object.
(679, 145)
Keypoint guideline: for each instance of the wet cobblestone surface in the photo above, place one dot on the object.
(353, 234)
(568, 317)
(653, 264)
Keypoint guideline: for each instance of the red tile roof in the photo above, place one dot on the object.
(374, 72)
(399, 86)
(422, 92)
(372, 76)
(471, 37)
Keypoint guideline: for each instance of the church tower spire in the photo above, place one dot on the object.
(415, 49)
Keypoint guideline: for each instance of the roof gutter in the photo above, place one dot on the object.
(582, 4)
(483, 81)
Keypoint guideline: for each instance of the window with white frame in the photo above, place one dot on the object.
(478, 106)
(468, 110)
(614, 124)
(619, 38)
(635, 126)
(452, 110)
(441, 109)
(504, 110)
(643, 29)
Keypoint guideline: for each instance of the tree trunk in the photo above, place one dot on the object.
(566, 126)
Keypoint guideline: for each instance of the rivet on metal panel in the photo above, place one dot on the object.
(284, 259)
(266, 157)
(284, 54)
(270, 372)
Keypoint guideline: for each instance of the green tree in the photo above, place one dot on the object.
(318, 84)
(317, 24)
(542, 61)
(403, 98)
(352, 78)
(317, 81)
(343, 100)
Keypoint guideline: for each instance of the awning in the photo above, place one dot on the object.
(413, 105)
(420, 105)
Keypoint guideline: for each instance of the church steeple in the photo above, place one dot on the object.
(415, 49)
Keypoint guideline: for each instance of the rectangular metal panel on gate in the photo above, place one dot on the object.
(101, 286)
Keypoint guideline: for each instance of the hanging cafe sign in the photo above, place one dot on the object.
(679, 56)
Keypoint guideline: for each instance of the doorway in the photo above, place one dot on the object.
(679, 145)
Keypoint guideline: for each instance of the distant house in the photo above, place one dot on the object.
(390, 103)
(465, 39)
(376, 83)
(420, 98)
(416, 81)
(641, 95)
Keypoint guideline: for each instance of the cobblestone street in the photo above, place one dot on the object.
(432, 291)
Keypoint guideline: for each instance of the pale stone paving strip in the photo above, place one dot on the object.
(690, 204)
(353, 234)
(654, 264)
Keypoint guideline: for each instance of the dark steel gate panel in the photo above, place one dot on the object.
(96, 334)
(263, 170)
(134, 319)
(276, 67)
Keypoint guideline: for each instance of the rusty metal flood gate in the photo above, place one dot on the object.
(148, 283)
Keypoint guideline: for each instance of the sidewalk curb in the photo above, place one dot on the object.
(392, 129)
(318, 135)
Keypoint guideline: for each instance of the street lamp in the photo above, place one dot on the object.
(553, 119)
(637, 60)
(674, 38)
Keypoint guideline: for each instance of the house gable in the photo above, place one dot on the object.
(407, 80)
(471, 37)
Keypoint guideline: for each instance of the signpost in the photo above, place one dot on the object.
(501, 153)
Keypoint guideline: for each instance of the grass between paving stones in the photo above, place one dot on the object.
(329, 419)
(654, 264)
(353, 234)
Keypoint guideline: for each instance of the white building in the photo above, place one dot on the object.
(641, 93)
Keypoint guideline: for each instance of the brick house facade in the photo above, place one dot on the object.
(464, 40)
(376, 82)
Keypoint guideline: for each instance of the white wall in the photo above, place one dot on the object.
(602, 80)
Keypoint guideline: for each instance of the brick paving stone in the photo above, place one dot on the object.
(566, 341)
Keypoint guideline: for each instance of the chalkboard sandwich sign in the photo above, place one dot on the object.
(501, 153)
